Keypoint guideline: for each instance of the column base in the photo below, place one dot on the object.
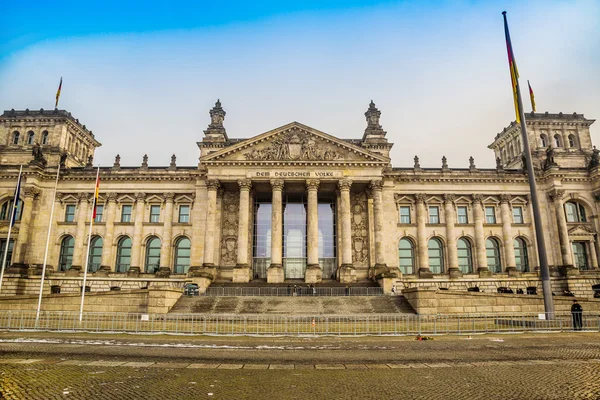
(512, 271)
(425, 273)
(568, 270)
(104, 270)
(133, 272)
(163, 272)
(454, 273)
(275, 274)
(347, 274)
(75, 270)
(380, 271)
(484, 272)
(313, 274)
(203, 272)
(241, 274)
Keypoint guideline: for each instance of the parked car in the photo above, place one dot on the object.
(191, 289)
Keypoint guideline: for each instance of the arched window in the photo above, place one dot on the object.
(557, 140)
(465, 256)
(123, 254)
(436, 256)
(544, 140)
(95, 254)
(182, 255)
(152, 254)
(521, 258)
(575, 212)
(66, 253)
(15, 137)
(572, 141)
(45, 137)
(6, 210)
(492, 251)
(30, 137)
(406, 255)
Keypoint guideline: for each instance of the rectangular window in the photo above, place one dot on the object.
(490, 215)
(70, 213)
(434, 215)
(184, 214)
(154, 213)
(99, 212)
(126, 213)
(405, 214)
(461, 213)
(517, 215)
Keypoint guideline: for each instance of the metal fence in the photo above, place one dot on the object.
(260, 324)
(293, 291)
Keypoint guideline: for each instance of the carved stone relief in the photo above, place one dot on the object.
(360, 232)
(229, 227)
(295, 145)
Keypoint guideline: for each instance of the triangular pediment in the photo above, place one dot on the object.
(294, 143)
(581, 230)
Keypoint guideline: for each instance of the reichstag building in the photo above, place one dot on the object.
(295, 204)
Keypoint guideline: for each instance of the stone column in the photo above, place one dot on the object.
(593, 255)
(347, 272)
(453, 270)
(30, 194)
(241, 273)
(275, 271)
(109, 227)
(80, 234)
(213, 186)
(507, 239)
(478, 215)
(566, 252)
(376, 191)
(424, 271)
(313, 274)
(165, 251)
(136, 248)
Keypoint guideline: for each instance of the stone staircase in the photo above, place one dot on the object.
(292, 305)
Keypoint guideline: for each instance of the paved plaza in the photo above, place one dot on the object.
(82, 366)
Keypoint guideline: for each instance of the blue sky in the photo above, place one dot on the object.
(143, 76)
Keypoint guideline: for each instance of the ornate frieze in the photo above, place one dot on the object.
(229, 228)
(294, 145)
(360, 232)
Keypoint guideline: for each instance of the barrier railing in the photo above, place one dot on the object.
(293, 291)
(260, 324)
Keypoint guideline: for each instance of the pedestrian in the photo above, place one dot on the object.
(314, 290)
(577, 314)
(393, 290)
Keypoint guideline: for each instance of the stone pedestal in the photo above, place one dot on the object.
(163, 272)
(275, 275)
(387, 283)
(133, 272)
(569, 270)
(425, 273)
(313, 274)
(454, 273)
(104, 270)
(347, 274)
(207, 272)
(75, 270)
(203, 283)
(484, 273)
(241, 274)
(512, 272)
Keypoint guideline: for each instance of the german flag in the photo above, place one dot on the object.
(531, 96)
(96, 193)
(512, 65)
(58, 93)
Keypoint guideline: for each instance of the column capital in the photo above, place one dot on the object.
(111, 197)
(277, 184)
(376, 185)
(556, 194)
(245, 184)
(169, 197)
(83, 197)
(312, 184)
(140, 196)
(420, 198)
(344, 184)
(477, 198)
(31, 192)
(505, 198)
(213, 184)
(449, 198)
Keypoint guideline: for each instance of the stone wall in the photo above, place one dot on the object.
(431, 300)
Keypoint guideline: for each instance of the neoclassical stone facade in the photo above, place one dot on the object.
(295, 203)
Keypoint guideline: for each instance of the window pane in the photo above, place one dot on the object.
(436, 256)
(70, 213)
(406, 256)
(126, 213)
(99, 212)
(462, 215)
(434, 216)
(123, 254)
(490, 215)
(517, 215)
(154, 213)
(405, 215)
(184, 214)
(492, 251)
(152, 254)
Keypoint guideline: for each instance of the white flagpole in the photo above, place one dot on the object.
(87, 254)
(37, 315)
(15, 206)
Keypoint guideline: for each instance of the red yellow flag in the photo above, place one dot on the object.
(96, 193)
(531, 96)
(514, 72)
(58, 93)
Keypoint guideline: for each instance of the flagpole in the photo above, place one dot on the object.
(37, 315)
(87, 255)
(15, 206)
(537, 216)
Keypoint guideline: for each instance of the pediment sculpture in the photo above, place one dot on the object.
(294, 146)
